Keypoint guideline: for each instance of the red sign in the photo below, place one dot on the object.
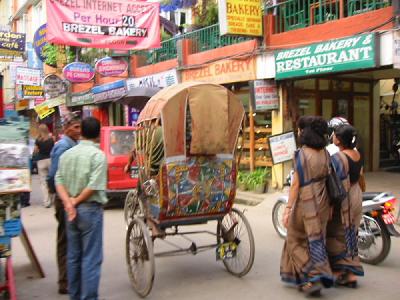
(113, 24)
(109, 66)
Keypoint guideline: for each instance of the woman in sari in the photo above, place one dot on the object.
(342, 230)
(304, 259)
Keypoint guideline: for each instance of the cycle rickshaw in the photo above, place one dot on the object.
(197, 126)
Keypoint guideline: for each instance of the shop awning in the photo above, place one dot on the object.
(138, 97)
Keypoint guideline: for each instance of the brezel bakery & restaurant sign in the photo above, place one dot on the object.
(356, 52)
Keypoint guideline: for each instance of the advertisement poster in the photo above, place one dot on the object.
(240, 17)
(282, 147)
(32, 91)
(27, 76)
(43, 110)
(113, 24)
(12, 43)
(264, 95)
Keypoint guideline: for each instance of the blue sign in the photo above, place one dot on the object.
(33, 60)
(39, 41)
(109, 92)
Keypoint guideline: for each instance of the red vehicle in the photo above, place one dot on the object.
(117, 142)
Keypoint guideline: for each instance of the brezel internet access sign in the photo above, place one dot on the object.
(353, 53)
(113, 24)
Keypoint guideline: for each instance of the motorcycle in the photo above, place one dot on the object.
(380, 221)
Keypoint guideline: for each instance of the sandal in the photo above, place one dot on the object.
(343, 280)
(312, 289)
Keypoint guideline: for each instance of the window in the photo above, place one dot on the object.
(121, 141)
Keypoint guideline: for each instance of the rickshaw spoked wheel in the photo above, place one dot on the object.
(235, 227)
(133, 207)
(140, 257)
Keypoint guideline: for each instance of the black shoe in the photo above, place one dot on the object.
(63, 291)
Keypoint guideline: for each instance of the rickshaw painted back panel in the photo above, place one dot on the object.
(196, 186)
(116, 142)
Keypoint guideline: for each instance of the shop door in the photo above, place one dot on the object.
(336, 105)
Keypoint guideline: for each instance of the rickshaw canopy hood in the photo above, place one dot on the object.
(214, 122)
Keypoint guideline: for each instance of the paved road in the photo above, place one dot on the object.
(187, 277)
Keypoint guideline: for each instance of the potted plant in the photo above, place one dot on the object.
(242, 180)
(257, 180)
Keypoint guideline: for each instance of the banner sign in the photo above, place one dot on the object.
(27, 76)
(78, 72)
(224, 71)
(113, 24)
(32, 91)
(264, 95)
(12, 43)
(353, 53)
(240, 17)
(109, 92)
(38, 101)
(109, 66)
(53, 86)
(83, 98)
(161, 80)
(43, 110)
(282, 147)
(39, 41)
(57, 101)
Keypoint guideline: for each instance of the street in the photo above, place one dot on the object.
(191, 277)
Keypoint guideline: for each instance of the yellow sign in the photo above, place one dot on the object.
(224, 71)
(43, 110)
(240, 17)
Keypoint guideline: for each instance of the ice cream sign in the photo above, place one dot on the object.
(78, 72)
(109, 66)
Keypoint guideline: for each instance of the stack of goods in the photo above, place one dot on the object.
(14, 178)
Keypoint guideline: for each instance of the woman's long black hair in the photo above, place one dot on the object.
(313, 131)
(347, 136)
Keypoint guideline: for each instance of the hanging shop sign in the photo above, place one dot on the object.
(78, 72)
(38, 101)
(109, 92)
(83, 98)
(113, 24)
(109, 66)
(282, 147)
(13, 70)
(53, 86)
(43, 110)
(264, 95)
(21, 105)
(353, 53)
(57, 101)
(39, 41)
(12, 43)
(240, 17)
(32, 91)
(161, 80)
(28, 76)
(224, 71)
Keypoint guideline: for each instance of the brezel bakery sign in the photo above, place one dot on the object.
(357, 52)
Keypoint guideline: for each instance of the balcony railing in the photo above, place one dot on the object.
(204, 39)
(294, 14)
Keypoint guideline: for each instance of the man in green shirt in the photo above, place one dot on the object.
(81, 181)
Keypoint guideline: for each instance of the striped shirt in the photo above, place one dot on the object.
(84, 166)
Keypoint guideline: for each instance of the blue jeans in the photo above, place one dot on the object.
(85, 251)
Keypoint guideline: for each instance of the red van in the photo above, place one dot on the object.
(117, 142)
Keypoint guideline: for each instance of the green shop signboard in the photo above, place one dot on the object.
(83, 98)
(353, 53)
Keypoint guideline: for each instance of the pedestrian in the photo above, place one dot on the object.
(304, 259)
(72, 129)
(43, 146)
(81, 181)
(342, 230)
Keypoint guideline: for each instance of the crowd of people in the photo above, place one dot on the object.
(321, 245)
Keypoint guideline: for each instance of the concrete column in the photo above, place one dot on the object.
(375, 125)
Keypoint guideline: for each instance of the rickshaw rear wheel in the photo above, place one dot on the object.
(133, 207)
(235, 227)
(140, 257)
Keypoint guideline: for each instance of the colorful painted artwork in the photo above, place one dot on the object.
(198, 186)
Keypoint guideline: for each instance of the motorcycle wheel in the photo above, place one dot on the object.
(372, 235)
(277, 215)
